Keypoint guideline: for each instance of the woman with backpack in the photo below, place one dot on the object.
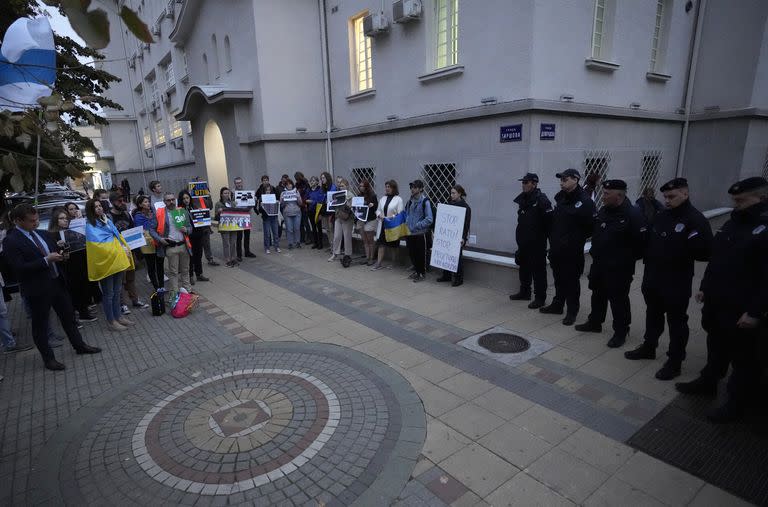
(458, 196)
(344, 222)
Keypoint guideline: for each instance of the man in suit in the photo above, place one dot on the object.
(35, 259)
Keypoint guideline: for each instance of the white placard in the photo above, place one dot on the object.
(159, 205)
(134, 237)
(446, 245)
(289, 195)
(268, 198)
(245, 198)
(358, 202)
(337, 198)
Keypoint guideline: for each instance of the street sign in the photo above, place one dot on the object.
(510, 133)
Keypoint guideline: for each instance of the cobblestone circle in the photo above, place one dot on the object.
(275, 425)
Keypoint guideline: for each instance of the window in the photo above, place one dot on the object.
(159, 132)
(659, 40)
(601, 30)
(186, 62)
(147, 139)
(227, 54)
(649, 171)
(215, 54)
(170, 77)
(206, 72)
(176, 130)
(438, 180)
(155, 94)
(595, 171)
(359, 174)
(447, 33)
(361, 62)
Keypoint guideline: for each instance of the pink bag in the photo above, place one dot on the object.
(184, 304)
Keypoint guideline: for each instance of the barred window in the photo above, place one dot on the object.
(359, 174)
(361, 57)
(595, 172)
(649, 171)
(447, 33)
(438, 180)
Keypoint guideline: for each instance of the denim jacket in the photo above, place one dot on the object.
(418, 215)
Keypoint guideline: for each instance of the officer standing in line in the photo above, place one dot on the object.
(534, 218)
(734, 291)
(618, 241)
(678, 236)
(571, 226)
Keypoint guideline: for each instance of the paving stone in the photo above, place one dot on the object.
(522, 489)
(566, 474)
(478, 468)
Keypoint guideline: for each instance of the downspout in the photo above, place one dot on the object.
(691, 78)
(326, 87)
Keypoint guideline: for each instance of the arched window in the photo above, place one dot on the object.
(227, 54)
(215, 49)
(205, 69)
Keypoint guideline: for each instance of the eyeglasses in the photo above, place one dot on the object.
(169, 200)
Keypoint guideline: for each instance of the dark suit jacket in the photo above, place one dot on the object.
(28, 263)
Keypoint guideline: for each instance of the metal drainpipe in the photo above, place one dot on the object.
(700, 10)
(326, 87)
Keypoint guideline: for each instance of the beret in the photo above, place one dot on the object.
(747, 185)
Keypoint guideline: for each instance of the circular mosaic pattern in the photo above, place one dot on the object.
(279, 424)
(504, 343)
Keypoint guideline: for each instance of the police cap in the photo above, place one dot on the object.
(674, 184)
(573, 173)
(747, 185)
(615, 185)
(530, 177)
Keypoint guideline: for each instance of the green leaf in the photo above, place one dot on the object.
(17, 183)
(92, 26)
(9, 163)
(136, 25)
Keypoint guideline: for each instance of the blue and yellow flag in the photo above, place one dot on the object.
(395, 227)
(106, 251)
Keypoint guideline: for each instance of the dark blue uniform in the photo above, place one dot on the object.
(618, 240)
(534, 218)
(571, 227)
(676, 239)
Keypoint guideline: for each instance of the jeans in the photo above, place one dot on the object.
(271, 236)
(178, 268)
(293, 226)
(111, 287)
(228, 240)
(5, 327)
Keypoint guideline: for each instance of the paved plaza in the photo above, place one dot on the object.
(299, 382)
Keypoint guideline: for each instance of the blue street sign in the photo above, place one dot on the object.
(509, 133)
(547, 132)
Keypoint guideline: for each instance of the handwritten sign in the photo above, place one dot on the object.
(134, 237)
(200, 217)
(198, 189)
(446, 245)
(289, 195)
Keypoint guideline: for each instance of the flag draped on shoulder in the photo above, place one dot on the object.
(395, 227)
(27, 63)
(106, 251)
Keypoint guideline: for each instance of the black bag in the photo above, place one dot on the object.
(346, 261)
(158, 304)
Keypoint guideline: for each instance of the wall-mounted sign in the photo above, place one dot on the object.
(509, 133)
(547, 132)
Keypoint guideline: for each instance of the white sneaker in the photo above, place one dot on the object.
(331, 258)
(125, 310)
(165, 278)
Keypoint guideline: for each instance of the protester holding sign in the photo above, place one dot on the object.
(196, 239)
(290, 206)
(143, 216)
(302, 186)
(390, 206)
(123, 221)
(367, 215)
(326, 183)
(342, 230)
(243, 236)
(458, 196)
(268, 208)
(315, 201)
(228, 238)
(170, 230)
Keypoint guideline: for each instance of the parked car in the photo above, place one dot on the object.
(47, 201)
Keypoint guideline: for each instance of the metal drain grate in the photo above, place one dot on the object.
(504, 343)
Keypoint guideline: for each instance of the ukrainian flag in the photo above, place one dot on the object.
(106, 251)
(395, 227)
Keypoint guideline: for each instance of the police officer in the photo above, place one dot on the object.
(534, 218)
(677, 237)
(734, 291)
(571, 226)
(618, 240)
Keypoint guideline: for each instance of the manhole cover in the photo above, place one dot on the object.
(504, 343)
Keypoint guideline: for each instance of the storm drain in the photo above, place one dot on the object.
(504, 343)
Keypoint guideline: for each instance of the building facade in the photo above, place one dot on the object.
(476, 93)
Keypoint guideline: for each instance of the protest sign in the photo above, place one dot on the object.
(230, 221)
(199, 189)
(446, 245)
(159, 205)
(245, 198)
(134, 237)
(289, 195)
(269, 204)
(75, 235)
(336, 198)
(359, 208)
(200, 217)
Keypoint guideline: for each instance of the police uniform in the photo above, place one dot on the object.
(735, 283)
(571, 226)
(676, 239)
(618, 240)
(534, 218)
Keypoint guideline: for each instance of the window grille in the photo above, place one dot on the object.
(598, 29)
(362, 58)
(447, 17)
(765, 166)
(170, 77)
(649, 171)
(358, 174)
(596, 163)
(438, 180)
(159, 131)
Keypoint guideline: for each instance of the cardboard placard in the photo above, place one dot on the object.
(245, 198)
(446, 245)
(230, 221)
(134, 237)
(198, 189)
(200, 217)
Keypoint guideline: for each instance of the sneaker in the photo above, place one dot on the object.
(88, 317)
(213, 263)
(125, 310)
(140, 304)
(377, 267)
(419, 278)
(125, 322)
(332, 258)
(249, 255)
(116, 326)
(202, 278)
(413, 276)
(277, 249)
(267, 251)
(17, 348)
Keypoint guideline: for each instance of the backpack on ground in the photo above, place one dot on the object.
(157, 302)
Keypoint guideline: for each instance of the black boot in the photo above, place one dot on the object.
(701, 385)
(617, 340)
(644, 351)
(444, 278)
(569, 319)
(520, 296)
(670, 370)
(536, 303)
(458, 281)
(589, 327)
(554, 308)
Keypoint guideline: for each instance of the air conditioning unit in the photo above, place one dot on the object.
(404, 11)
(178, 143)
(156, 30)
(375, 24)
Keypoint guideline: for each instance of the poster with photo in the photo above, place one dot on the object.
(336, 198)
(75, 235)
(245, 198)
(231, 221)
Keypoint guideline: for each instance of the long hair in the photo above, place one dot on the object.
(328, 181)
(460, 190)
(180, 199)
(70, 203)
(53, 225)
(221, 193)
(90, 211)
(138, 202)
(367, 190)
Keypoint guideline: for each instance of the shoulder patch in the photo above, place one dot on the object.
(578, 204)
(757, 230)
(679, 227)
